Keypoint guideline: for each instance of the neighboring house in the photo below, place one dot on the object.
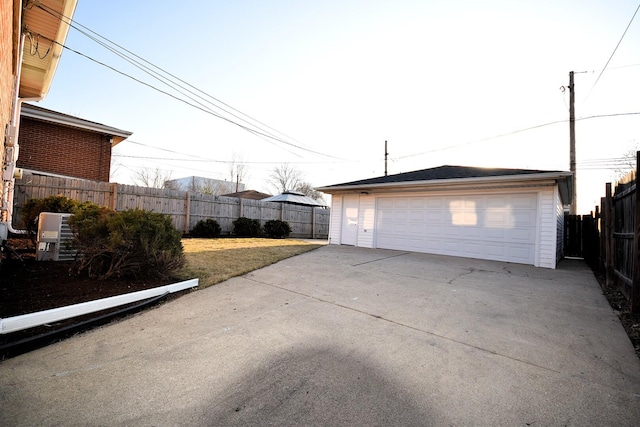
(248, 194)
(511, 215)
(61, 144)
(204, 185)
(294, 198)
(26, 72)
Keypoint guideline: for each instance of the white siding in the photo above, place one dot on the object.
(335, 220)
(544, 232)
(366, 221)
(547, 229)
(559, 227)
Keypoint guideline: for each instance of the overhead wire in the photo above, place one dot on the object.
(197, 158)
(513, 133)
(250, 127)
(263, 134)
(614, 51)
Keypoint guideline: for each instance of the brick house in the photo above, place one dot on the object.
(61, 144)
(26, 74)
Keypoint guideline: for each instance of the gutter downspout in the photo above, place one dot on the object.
(12, 149)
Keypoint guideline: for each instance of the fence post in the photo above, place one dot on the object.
(313, 222)
(602, 263)
(635, 285)
(608, 231)
(187, 213)
(114, 196)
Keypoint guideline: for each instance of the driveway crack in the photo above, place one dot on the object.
(433, 334)
(381, 259)
(461, 275)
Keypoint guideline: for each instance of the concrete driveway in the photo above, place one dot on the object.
(347, 336)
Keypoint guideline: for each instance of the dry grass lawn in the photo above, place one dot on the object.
(216, 260)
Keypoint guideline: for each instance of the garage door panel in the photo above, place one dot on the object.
(495, 233)
(434, 203)
(474, 249)
(522, 201)
(385, 203)
(521, 235)
(495, 250)
(522, 253)
(417, 203)
(499, 227)
(524, 219)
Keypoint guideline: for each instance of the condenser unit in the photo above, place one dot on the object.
(55, 238)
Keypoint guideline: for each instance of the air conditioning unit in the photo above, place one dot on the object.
(55, 238)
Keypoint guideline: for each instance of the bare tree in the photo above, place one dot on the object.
(284, 177)
(238, 170)
(307, 189)
(627, 164)
(154, 178)
(211, 187)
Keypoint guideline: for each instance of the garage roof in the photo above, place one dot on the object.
(456, 175)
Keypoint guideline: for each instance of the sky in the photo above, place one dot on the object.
(444, 83)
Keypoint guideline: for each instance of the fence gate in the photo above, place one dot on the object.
(573, 236)
(581, 237)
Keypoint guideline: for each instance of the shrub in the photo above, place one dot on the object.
(206, 228)
(277, 229)
(33, 207)
(133, 243)
(245, 227)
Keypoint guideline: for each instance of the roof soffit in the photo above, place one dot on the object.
(44, 29)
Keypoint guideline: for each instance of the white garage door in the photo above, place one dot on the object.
(497, 227)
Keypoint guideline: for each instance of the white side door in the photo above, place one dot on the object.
(349, 220)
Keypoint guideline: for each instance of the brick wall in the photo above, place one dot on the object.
(48, 147)
(6, 69)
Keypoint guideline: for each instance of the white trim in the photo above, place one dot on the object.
(537, 257)
(39, 113)
(515, 178)
(30, 320)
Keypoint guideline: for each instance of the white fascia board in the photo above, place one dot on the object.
(72, 121)
(454, 182)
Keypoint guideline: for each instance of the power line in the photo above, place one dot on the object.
(205, 110)
(228, 162)
(256, 130)
(70, 22)
(515, 132)
(614, 51)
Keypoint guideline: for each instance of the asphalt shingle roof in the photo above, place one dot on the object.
(442, 172)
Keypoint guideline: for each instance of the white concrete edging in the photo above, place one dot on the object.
(30, 320)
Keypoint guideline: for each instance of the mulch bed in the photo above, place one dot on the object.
(27, 286)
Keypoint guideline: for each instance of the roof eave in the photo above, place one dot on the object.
(118, 135)
(38, 72)
(455, 182)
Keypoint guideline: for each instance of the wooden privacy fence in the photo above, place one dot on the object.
(619, 243)
(184, 208)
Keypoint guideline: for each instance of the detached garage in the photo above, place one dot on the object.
(512, 215)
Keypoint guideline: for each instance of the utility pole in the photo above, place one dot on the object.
(386, 156)
(572, 145)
